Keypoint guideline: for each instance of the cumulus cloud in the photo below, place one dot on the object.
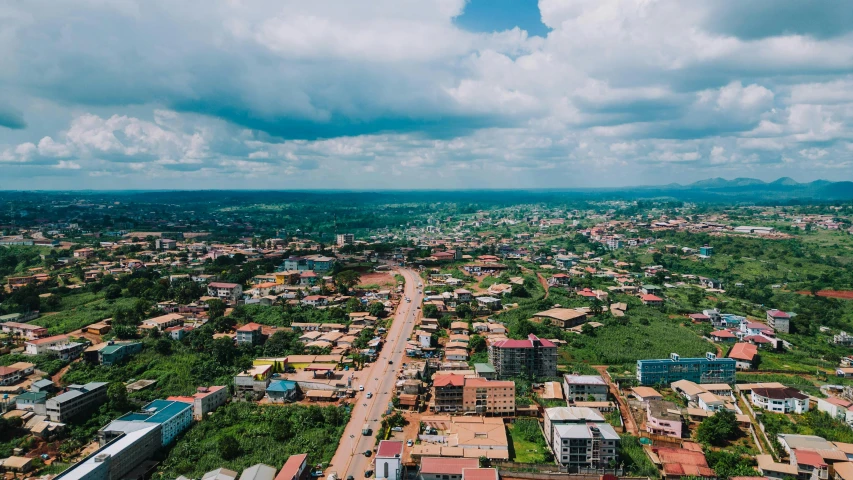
(333, 93)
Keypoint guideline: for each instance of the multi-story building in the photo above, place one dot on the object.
(15, 373)
(78, 399)
(345, 239)
(41, 346)
(530, 357)
(164, 321)
(253, 381)
(173, 417)
(250, 334)
(116, 352)
(780, 400)
(579, 388)
(663, 418)
(779, 320)
(116, 459)
(227, 292)
(205, 400)
(25, 330)
(580, 437)
(698, 370)
(455, 393)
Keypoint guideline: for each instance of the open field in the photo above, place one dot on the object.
(842, 294)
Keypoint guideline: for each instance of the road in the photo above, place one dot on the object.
(380, 378)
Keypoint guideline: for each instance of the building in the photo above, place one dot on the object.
(294, 468)
(561, 317)
(440, 468)
(15, 373)
(663, 418)
(282, 391)
(116, 352)
(698, 370)
(33, 402)
(116, 459)
(456, 393)
(220, 474)
(780, 400)
(587, 445)
(41, 346)
(678, 463)
(774, 470)
(564, 415)
(651, 300)
(173, 418)
(227, 292)
(253, 381)
(205, 400)
(389, 460)
(76, 400)
(530, 357)
(646, 394)
(250, 334)
(258, 472)
(706, 251)
(745, 355)
(779, 320)
(345, 239)
(163, 322)
(583, 388)
(165, 244)
(24, 330)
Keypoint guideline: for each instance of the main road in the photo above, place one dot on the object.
(378, 378)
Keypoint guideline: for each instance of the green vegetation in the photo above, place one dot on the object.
(528, 444)
(49, 364)
(813, 422)
(636, 461)
(718, 429)
(239, 435)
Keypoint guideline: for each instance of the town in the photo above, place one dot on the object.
(633, 339)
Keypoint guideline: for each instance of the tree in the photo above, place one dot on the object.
(464, 311)
(718, 429)
(163, 347)
(112, 292)
(117, 396)
(377, 309)
(430, 311)
(477, 343)
(588, 330)
(520, 291)
(347, 279)
(216, 308)
(694, 297)
(228, 446)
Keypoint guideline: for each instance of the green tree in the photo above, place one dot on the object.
(216, 308)
(477, 343)
(163, 347)
(347, 279)
(117, 396)
(112, 292)
(228, 446)
(718, 429)
(588, 330)
(464, 311)
(377, 309)
(430, 311)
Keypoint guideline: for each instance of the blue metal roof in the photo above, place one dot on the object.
(281, 386)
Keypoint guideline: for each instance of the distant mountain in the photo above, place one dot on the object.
(723, 183)
(786, 181)
(751, 189)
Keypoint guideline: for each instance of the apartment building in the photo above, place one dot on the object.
(780, 400)
(698, 370)
(250, 334)
(227, 292)
(663, 418)
(779, 320)
(345, 239)
(116, 459)
(456, 393)
(173, 417)
(579, 388)
(25, 330)
(76, 400)
(531, 357)
(580, 437)
(205, 400)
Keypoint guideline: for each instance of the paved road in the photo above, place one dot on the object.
(379, 378)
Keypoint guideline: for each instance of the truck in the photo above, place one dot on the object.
(365, 430)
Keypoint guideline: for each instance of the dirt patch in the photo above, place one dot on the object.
(378, 278)
(842, 294)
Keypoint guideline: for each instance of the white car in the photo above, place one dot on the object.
(369, 394)
(361, 388)
(409, 443)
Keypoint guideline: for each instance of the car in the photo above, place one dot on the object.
(397, 429)
(368, 473)
(409, 443)
(361, 388)
(390, 362)
(350, 477)
(368, 453)
(369, 394)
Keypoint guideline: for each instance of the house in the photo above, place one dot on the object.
(646, 394)
(17, 464)
(780, 400)
(663, 418)
(489, 303)
(389, 458)
(294, 468)
(220, 474)
(282, 391)
(678, 463)
(582, 388)
(253, 381)
(24, 330)
(440, 468)
(459, 328)
(205, 400)
(163, 322)
(32, 402)
(165, 244)
(650, 289)
(651, 300)
(721, 336)
(779, 320)
(458, 354)
(745, 354)
(227, 292)
(42, 345)
(258, 471)
(315, 300)
(76, 400)
(462, 295)
(561, 317)
(698, 370)
(533, 356)
(250, 334)
(774, 470)
(114, 353)
(15, 373)
(706, 251)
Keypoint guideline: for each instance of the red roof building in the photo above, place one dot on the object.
(293, 468)
(447, 466)
(745, 354)
(533, 356)
(649, 299)
(389, 449)
(680, 462)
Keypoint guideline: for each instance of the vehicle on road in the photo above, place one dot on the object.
(365, 430)
(368, 473)
(368, 453)
(350, 477)
(397, 429)
(361, 388)
(409, 443)
(369, 394)
(390, 362)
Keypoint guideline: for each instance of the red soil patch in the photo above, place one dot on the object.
(843, 294)
(378, 278)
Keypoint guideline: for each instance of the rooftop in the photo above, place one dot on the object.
(389, 449)
(447, 466)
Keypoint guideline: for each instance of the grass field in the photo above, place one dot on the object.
(524, 449)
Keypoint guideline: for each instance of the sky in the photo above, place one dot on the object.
(411, 94)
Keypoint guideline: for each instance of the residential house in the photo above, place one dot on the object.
(227, 292)
(258, 471)
(205, 400)
(722, 336)
(250, 334)
(651, 300)
(779, 320)
(745, 354)
(23, 330)
(294, 468)
(114, 353)
(646, 394)
(389, 458)
(663, 418)
(282, 391)
(442, 468)
(253, 381)
(561, 317)
(780, 400)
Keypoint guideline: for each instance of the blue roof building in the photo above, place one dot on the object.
(282, 391)
(698, 370)
(172, 416)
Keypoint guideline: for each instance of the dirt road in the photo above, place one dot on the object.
(627, 417)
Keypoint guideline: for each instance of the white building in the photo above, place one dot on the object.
(579, 388)
(585, 444)
(228, 292)
(780, 400)
(389, 460)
